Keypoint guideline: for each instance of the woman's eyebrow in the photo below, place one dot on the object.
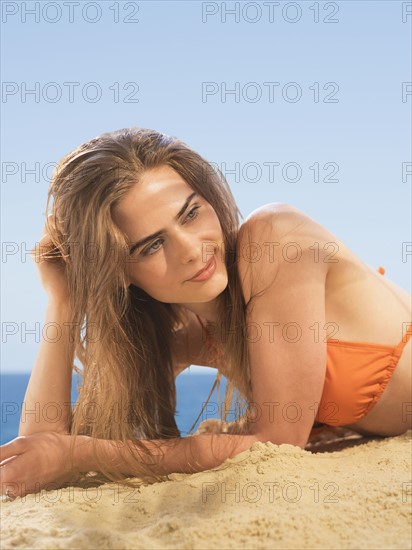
(138, 244)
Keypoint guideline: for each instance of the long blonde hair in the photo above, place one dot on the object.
(121, 335)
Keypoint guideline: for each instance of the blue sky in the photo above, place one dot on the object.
(317, 95)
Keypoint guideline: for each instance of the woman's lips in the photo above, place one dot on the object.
(207, 272)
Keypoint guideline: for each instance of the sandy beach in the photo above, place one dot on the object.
(347, 492)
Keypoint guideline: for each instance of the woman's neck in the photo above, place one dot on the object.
(207, 311)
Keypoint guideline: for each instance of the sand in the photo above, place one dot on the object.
(346, 492)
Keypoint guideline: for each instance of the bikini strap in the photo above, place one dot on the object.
(405, 339)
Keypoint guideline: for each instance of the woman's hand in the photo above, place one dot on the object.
(51, 269)
(29, 463)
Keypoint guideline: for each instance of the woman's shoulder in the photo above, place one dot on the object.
(280, 238)
(288, 239)
(280, 219)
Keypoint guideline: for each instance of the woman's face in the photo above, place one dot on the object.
(164, 263)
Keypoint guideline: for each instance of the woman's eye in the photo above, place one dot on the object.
(193, 211)
(151, 249)
(147, 250)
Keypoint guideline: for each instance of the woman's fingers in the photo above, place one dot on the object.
(7, 460)
(51, 266)
(8, 484)
(43, 246)
(43, 462)
(12, 448)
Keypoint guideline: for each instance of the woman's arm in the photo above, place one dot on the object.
(46, 405)
(285, 295)
(178, 455)
(44, 460)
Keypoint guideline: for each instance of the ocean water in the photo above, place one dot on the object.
(192, 392)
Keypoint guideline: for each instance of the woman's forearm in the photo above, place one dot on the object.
(180, 455)
(46, 405)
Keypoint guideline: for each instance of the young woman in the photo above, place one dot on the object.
(148, 271)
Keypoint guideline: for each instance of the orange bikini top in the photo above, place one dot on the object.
(357, 373)
(356, 376)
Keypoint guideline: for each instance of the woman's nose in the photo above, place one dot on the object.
(189, 248)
